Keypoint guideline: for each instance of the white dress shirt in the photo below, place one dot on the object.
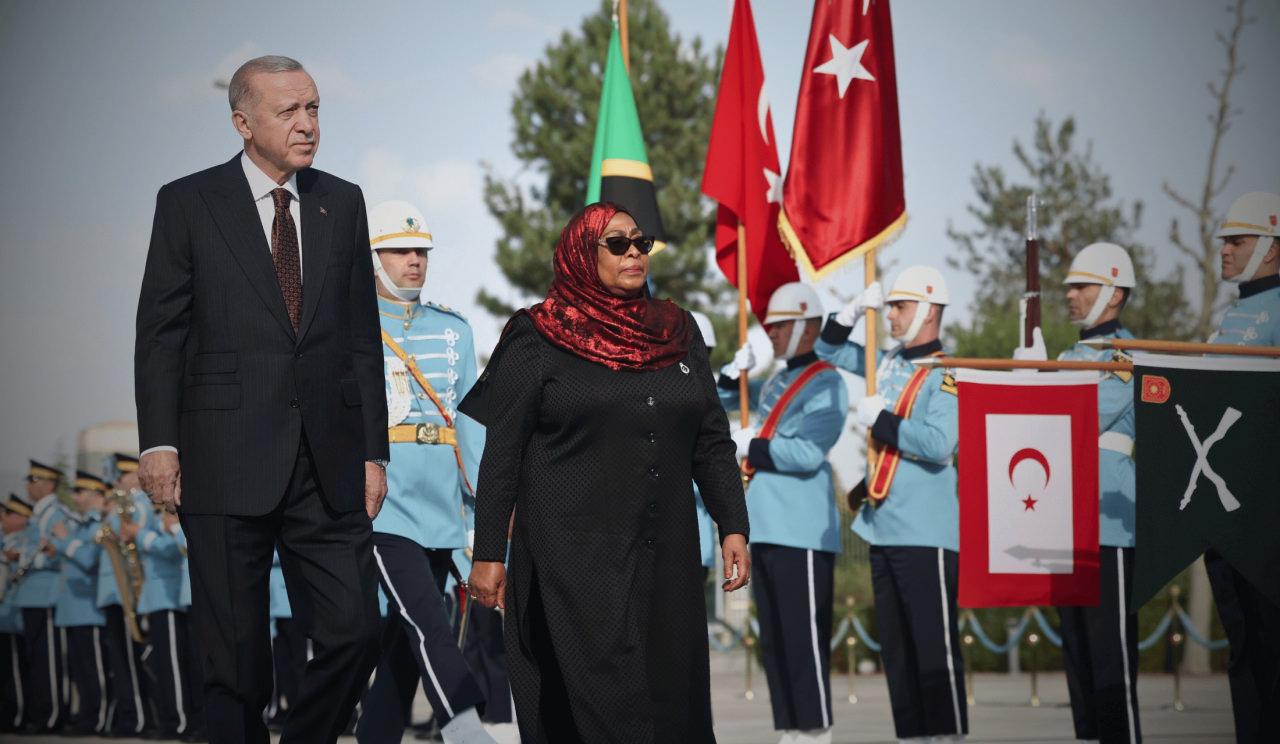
(260, 186)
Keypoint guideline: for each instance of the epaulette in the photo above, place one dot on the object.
(1120, 356)
(948, 382)
(446, 309)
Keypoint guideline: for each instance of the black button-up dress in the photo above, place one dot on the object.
(605, 628)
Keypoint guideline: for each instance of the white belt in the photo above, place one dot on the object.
(1116, 442)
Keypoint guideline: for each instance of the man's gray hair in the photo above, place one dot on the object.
(240, 93)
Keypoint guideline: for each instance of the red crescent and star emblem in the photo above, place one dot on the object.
(1035, 455)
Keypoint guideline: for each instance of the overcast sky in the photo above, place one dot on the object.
(104, 102)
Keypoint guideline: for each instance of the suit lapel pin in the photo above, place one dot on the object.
(684, 368)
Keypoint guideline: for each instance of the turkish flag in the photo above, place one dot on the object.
(742, 171)
(843, 193)
(1028, 489)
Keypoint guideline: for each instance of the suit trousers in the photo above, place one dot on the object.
(13, 674)
(413, 579)
(45, 658)
(1252, 625)
(792, 588)
(327, 561)
(915, 590)
(87, 670)
(126, 677)
(1100, 655)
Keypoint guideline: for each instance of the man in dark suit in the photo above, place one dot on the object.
(261, 411)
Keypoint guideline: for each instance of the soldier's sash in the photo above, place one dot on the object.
(774, 418)
(412, 365)
(884, 460)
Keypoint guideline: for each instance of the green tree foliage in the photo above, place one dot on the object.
(554, 116)
(1077, 207)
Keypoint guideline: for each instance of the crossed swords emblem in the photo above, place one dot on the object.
(1229, 418)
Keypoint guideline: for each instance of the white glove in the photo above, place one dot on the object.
(869, 409)
(1035, 352)
(872, 298)
(742, 438)
(743, 358)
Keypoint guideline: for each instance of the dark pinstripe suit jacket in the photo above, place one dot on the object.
(218, 370)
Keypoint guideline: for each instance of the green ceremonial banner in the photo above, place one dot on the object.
(620, 169)
(1208, 468)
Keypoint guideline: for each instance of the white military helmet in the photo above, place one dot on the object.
(1106, 264)
(921, 284)
(1255, 213)
(793, 301)
(397, 224)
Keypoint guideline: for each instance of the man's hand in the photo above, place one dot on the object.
(12, 555)
(60, 530)
(869, 409)
(129, 531)
(375, 488)
(161, 478)
(488, 583)
(872, 298)
(47, 548)
(170, 521)
(742, 440)
(1036, 351)
(736, 556)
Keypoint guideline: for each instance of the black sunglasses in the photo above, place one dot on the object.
(618, 245)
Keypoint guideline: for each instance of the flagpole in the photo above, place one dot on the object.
(1012, 364)
(1181, 347)
(744, 389)
(622, 33)
(869, 360)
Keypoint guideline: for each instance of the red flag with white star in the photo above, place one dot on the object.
(742, 171)
(1028, 489)
(843, 192)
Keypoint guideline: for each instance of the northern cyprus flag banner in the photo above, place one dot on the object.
(1208, 465)
(1028, 488)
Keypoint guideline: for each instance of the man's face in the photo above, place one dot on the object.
(407, 267)
(901, 313)
(12, 522)
(780, 336)
(127, 481)
(1236, 252)
(40, 487)
(84, 499)
(1080, 299)
(282, 124)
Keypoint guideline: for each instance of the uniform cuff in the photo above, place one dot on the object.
(885, 429)
(835, 333)
(758, 455)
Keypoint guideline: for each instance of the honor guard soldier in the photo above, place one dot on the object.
(164, 565)
(76, 614)
(1100, 643)
(37, 594)
(795, 528)
(1250, 258)
(14, 516)
(912, 518)
(430, 365)
(120, 568)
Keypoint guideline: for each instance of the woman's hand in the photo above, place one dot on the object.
(736, 555)
(488, 584)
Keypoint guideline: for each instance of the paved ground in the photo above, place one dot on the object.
(1001, 711)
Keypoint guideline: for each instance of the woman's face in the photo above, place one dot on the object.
(622, 276)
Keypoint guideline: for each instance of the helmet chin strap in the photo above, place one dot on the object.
(1260, 249)
(913, 330)
(797, 330)
(404, 294)
(1091, 318)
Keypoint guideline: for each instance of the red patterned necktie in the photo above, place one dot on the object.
(284, 254)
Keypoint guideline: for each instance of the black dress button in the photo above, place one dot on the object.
(653, 472)
(649, 542)
(653, 507)
(297, 355)
(652, 437)
(295, 403)
(650, 400)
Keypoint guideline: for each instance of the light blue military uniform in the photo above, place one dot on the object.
(791, 499)
(10, 613)
(42, 579)
(162, 561)
(707, 542)
(426, 495)
(922, 508)
(279, 595)
(77, 603)
(1254, 318)
(1116, 473)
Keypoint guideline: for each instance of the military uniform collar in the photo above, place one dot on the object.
(915, 352)
(397, 310)
(803, 360)
(1258, 286)
(1108, 328)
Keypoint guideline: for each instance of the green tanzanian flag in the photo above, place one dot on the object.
(620, 169)
(1208, 468)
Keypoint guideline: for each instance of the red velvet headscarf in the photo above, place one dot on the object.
(582, 317)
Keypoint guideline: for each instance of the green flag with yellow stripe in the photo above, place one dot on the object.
(620, 169)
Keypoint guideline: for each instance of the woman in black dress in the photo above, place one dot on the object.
(601, 411)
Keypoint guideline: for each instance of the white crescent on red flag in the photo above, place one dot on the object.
(1028, 489)
(742, 171)
(843, 193)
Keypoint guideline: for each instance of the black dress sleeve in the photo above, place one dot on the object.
(715, 467)
(506, 400)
